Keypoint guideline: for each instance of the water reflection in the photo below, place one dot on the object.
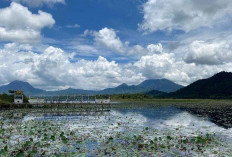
(153, 113)
(78, 131)
(220, 116)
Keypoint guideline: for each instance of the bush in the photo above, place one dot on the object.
(5, 98)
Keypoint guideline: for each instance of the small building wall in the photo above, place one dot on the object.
(18, 99)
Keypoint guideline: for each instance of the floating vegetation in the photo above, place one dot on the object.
(66, 133)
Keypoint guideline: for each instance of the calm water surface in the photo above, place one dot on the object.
(117, 130)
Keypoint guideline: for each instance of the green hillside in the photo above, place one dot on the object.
(218, 86)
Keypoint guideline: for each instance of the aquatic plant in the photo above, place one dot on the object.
(116, 134)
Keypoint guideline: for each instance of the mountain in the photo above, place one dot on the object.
(20, 85)
(162, 85)
(69, 91)
(123, 89)
(30, 90)
(217, 86)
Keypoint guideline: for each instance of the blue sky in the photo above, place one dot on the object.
(96, 44)
(122, 16)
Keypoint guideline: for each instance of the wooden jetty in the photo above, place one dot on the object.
(82, 106)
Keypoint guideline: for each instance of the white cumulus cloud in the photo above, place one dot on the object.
(169, 66)
(201, 52)
(107, 37)
(54, 69)
(156, 65)
(152, 48)
(18, 24)
(183, 15)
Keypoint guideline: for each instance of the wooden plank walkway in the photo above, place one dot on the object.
(87, 106)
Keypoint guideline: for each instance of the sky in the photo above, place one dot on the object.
(97, 44)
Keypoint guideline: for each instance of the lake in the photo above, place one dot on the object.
(123, 131)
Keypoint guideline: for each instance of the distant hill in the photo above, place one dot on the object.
(20, 85)
(69, 91)
(123, 89)
(162, 85)
(217, 86)
(30, 90)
